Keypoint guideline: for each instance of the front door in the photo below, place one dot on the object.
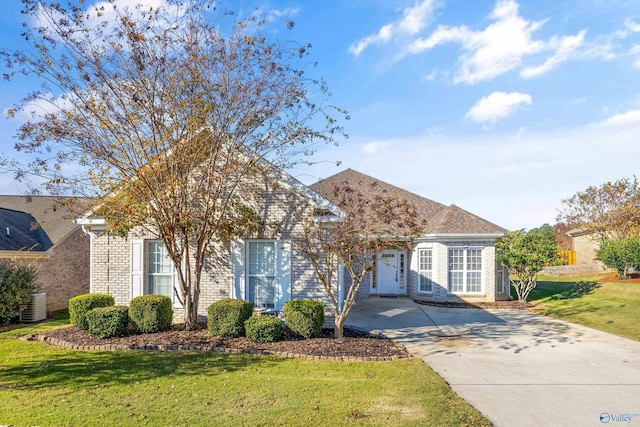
(387, 273)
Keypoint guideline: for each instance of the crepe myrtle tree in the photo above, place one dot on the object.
(162, 117)
(369, 221)
(527, 253)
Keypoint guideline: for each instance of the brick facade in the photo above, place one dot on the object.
(440, 273)
(63, 272)
(111, 256)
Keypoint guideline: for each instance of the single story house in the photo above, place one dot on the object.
(40, 231)
(454, 260)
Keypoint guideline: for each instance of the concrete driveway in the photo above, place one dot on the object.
(517, 367)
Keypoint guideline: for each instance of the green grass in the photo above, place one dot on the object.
(612, 307)
(44, 385)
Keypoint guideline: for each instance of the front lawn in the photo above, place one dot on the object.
(612, 307)
(44, 385)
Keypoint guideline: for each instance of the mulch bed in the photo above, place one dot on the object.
(613, 277)
(355, 344)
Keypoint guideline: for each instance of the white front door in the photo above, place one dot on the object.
(387, 272)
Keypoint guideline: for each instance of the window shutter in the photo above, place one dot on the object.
(283, 273)
(237, 269)
(137, 268)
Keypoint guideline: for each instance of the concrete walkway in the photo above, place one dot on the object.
(517, 367)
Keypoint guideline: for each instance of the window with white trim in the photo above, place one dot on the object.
(261, 273)
(425, 270)
(160, 271)
(465, 270)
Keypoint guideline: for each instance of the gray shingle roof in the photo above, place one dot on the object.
(439, 219)
(36, 220)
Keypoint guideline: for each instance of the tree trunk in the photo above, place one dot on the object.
(338, 328)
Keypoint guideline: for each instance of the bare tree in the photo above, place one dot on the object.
(370, 220)
(163, 119)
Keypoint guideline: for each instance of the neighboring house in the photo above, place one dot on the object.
(37, 230)
(453, 261)
(586, 246)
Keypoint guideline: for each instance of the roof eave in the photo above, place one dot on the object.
(461, 236)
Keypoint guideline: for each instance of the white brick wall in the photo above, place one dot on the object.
(440, 272)
(110, 268)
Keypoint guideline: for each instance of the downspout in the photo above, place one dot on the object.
(340, 287)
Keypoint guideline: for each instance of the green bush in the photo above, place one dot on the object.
(263, 328)
(17, 285)
(225, 318)
(107, 322)
(151, 313)
(79, 307)
(304, 317)
(623, 254)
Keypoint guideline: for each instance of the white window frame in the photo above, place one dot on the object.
(425, 276)
(149, 274)
(465, 270)
(273, 277)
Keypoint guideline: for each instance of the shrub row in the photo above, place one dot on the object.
(234, 318)
(97, 314)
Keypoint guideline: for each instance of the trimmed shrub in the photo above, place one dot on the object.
(151, 313)
(107, 322)
(304, 317)
(225, 318)
(79, 307)
(263, 328)
(17, 285)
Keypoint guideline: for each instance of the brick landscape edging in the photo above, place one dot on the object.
(116, 347)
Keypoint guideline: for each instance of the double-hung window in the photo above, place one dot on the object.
(160, 271)
(425, 270)
(465, 270)
(261, 273)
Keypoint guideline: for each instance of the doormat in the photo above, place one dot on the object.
(388, 296)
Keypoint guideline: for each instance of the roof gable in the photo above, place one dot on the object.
(438, 218)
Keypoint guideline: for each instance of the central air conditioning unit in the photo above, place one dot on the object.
(36, 309)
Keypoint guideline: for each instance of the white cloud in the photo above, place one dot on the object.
(564, 47)
(497, 105)
(413, 20)
(47, 103)
(372, 147)
(635, 51)
(507, 42)
(631, 25)
(498, 48)
(274, 14)
(102, 16)
(631, 117)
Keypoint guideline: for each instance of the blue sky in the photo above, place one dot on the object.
(500, 107)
